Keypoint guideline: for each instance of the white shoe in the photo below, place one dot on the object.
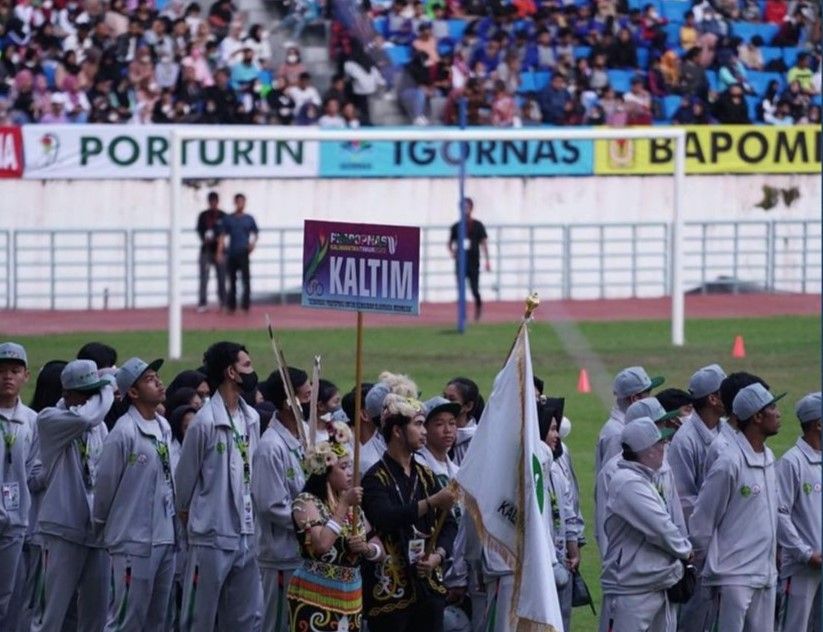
(202, 309)
(421, 121)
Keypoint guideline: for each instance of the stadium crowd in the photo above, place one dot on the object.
(212, 500)
(518, 62)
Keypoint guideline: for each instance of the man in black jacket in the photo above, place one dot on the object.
(208, 226)
(731, 107)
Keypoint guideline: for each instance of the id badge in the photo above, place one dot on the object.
(11, 496)
(417, 550)
(248, 512)
(467, 244)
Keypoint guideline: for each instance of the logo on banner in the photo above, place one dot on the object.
(49, 149)
(621, 153)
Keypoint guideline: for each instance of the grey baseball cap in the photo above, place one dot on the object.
(634, 380)
(374, 399)
(131, 371)
(81, 375)
(640, 434)
(13, 352)
(653, 409)
(439, 404)
(753, 399)
(809, 408)
(706, 381)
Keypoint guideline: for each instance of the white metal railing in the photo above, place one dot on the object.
(98, 269)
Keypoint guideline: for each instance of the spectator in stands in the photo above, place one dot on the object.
(281, 105)
(303, 13)
(595, 116)
(126, 45)
(331, 115)
(414, 89)
(802, 74)
(351, 116)
(657, 86)
(304, 92)
(244, 71)
(509, 73)
(781, 116)
(158, 38)
(573, 112)
(693, 80)
(546, 59)
(670, 69)
(768, 102)
(220, 103)
(623, 53)
(793, 31)
(732, 71)
(638, 104)
(750, 54)
(166, 72)
(425, 42)
(652, 23)
(258, 40)
(56, 113)
(292, 67)
(553, 99)
(730, 107)
(798, 101)
(813, 116)
(504, 107)
(365, 78)
(599, 78)
(688, 31)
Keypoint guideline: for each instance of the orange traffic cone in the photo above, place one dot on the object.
(583, 385)
(738, 348)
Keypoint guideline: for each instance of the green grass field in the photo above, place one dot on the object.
(784, 351)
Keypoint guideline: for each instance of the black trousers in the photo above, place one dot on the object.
(424, 616)
(238, 263)
(473, 275)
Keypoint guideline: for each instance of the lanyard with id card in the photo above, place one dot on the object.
(243, 446)
(11, 489)
(417, 543)
(162, 449)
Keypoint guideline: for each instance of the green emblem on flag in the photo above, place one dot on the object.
(807, 488)
(745, 491)
(221, 447)
(132, 458)
(539, 487)
(290, 473)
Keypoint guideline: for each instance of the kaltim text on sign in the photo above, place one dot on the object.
(361, 267)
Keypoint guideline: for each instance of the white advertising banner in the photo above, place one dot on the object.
(142, 151)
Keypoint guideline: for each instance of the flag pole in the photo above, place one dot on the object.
(283, 369)
(315, 393)
(358, 399)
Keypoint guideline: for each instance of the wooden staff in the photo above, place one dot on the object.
(358, 398)
(315, 393)
(283, 369)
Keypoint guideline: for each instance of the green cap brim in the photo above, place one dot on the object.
(666, 433)
(96, 386)
(669, 415)
(657, 381)
(776, 399)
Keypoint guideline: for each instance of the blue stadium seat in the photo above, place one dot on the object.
(817, 100)
(790, 55)
(582, 51)
(770, 53)
(672, 34)
(643, 57)
(747, 30)
(673, 10)
(759, 81)
(456, 29)
(541, 79)
(670, 105)
(526, 82)
(621, 80)
(399, 55)
(752, 102)
(381, 25)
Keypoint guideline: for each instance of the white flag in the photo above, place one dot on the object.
(502, 478)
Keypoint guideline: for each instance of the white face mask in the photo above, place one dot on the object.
(292, 59)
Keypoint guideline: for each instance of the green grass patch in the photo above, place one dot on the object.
(785, 351)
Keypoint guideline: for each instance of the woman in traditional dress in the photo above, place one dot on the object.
(325, 593)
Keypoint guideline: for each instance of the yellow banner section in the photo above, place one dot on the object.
(716, 149)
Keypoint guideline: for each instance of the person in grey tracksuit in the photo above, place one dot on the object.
(277, 481)
(21, 476)
(734, 523)
(134, 503)
(630, 385)
(645, 548)
(74, 560)
(687, 456)
(799, 522)
(213, 496)
(663, 477)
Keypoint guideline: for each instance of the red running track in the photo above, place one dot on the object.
(38, 322)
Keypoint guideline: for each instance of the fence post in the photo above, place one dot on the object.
(602, 259)
(89, 285)
(424, 285)
(566, 279)
(531, 287)
(498, 259)
(52, 269)
(771, 255)
(634, 260)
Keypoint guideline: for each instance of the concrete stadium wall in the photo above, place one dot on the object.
(425, 202)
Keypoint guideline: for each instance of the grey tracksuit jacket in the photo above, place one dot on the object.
(608, 442)
(21, 470)
(663, 481)
(133, 494)
(687, 457)
(798, 509)
(734, 523)
(567, 465)
(71, 440)
(644, 545)
(278, 479)
(209, 479)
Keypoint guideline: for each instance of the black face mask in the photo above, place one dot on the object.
(248, 382)
(306, 408)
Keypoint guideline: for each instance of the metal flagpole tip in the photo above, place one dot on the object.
(532, 303)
